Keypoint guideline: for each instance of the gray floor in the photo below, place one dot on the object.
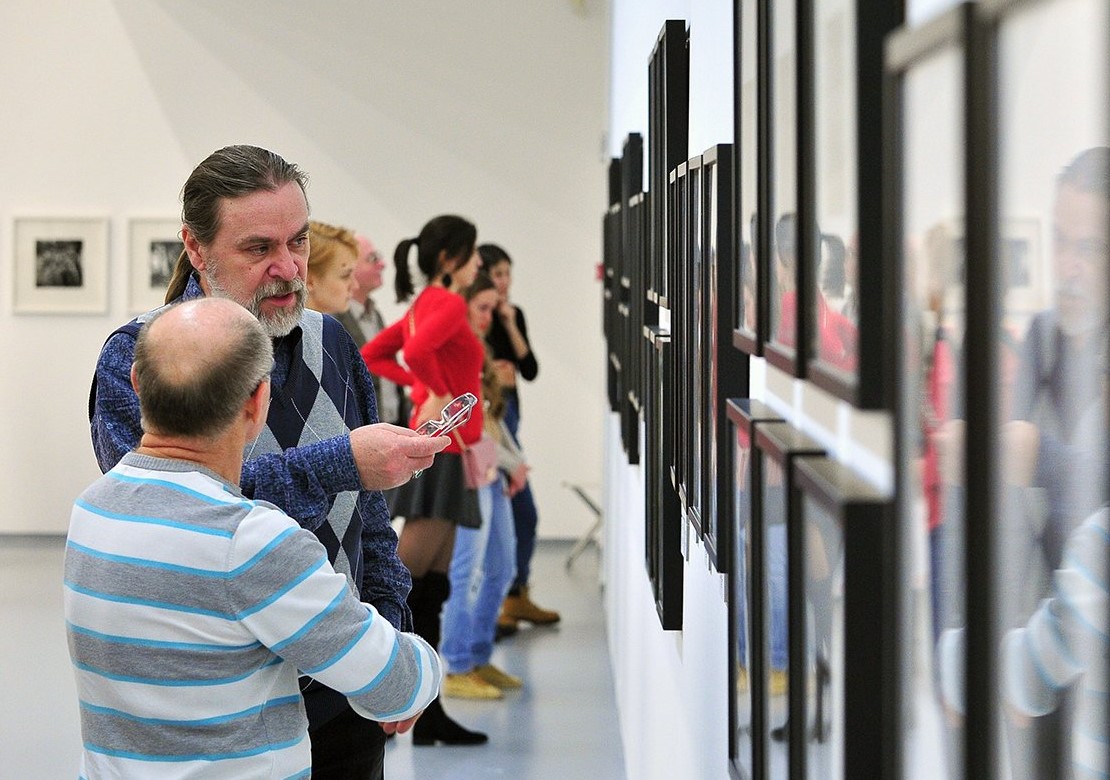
(563, 724)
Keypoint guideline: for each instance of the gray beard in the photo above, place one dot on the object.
(277, 324)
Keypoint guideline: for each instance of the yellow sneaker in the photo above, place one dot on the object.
(498, 678)
(469, 686)
(778, 682)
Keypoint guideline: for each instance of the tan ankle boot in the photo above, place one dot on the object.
(522, 608)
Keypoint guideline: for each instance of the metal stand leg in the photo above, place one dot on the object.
(590, 536)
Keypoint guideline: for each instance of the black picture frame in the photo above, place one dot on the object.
(669, 127)
(725, 370)
(632, 308)
(610, 293)
(666, 523)
(746, 574)
(847, 283)
(845, 539)
(1050, 381)
(933, 180)
(750, 132)
(626, 245)
(676, 264)
(690, 333)
(784, 258)
(781, 445)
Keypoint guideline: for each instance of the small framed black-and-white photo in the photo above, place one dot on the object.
(155, 247)
(61, 266)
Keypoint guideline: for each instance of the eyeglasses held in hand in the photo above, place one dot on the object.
(453, 415)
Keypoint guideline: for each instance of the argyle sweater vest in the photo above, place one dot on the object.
(313, 403)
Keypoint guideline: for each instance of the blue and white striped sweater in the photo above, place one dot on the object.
(189, 611)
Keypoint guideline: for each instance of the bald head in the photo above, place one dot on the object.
(195, 366)
(368, 269)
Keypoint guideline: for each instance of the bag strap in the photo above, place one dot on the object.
(459, 441)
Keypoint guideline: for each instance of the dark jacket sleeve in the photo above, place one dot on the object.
(528, 365)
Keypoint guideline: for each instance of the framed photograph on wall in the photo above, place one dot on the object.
(154, 249)
(845, 537)
(60, 265)
(668, 121)
(668, 522)
(747, 578)
(928, 136)
(1048, 381)
(847, 281)
(785, 64)
(691, 332)
(783, 673)
(676, 263)
(724, 369)
(749, 327)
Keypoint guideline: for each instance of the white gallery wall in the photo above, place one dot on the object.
(495, 110)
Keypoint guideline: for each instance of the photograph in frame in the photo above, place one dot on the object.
(1050, 381)
(747, 580)
(926, 126)
(155, 246)
(781, 348)
(747, 329)
(60, 265)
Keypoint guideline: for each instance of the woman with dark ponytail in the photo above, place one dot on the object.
(442, 359)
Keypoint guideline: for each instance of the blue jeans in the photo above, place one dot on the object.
(775, 567)
(525, 517)
(481, 570)
(776, 584)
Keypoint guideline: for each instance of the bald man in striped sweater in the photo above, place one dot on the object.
(190, 609)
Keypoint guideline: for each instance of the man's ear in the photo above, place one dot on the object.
(257, 407)
(134, 380)
(192, 248)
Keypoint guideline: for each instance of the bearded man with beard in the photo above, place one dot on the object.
(323, 457)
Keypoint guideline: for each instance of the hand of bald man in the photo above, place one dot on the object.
(388, 455)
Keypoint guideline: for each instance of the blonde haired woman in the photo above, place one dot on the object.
(331, 267)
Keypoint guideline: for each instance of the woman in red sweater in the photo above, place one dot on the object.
(442, 359)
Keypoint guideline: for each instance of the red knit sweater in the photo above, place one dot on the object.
(441, 351)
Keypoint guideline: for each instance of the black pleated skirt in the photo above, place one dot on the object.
(439, 492)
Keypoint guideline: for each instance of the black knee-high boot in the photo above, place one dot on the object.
(435, 725)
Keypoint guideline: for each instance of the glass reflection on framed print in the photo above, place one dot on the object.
(1050, 383)
(783, 673)
(845, 525)
(748, 329)
(781, 347)
(849, 340)
(926, 128)
(747, 579)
